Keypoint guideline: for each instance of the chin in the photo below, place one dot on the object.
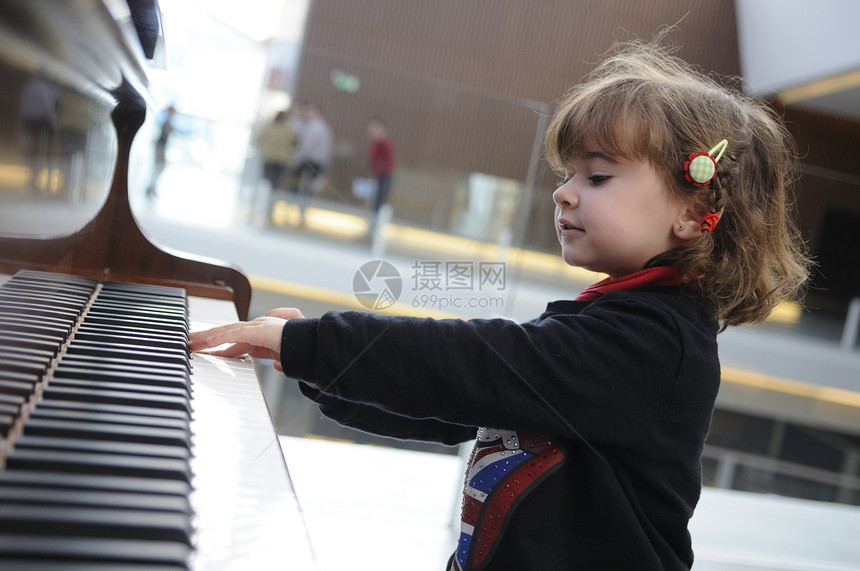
(570, 260)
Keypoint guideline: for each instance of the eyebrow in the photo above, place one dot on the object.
(599, 155)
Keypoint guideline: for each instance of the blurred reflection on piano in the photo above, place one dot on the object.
(39, 99)
(166, 128)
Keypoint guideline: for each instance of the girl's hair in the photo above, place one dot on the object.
(642, 103)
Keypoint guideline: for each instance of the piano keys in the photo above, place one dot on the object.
(133, 452)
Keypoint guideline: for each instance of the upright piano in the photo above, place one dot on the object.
(118, 448)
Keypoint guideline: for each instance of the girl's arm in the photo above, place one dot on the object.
(601, 374)
(262, 337)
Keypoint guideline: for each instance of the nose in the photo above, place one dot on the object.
(565, 196)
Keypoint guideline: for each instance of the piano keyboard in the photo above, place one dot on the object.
(119, 448)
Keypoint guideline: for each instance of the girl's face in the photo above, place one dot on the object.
(613, 214)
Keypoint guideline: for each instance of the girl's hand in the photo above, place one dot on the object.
(260, 337)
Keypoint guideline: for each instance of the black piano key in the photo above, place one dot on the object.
(132, 340)
(144, 332)
(30, 341)
(148, 421)
(37, 288)
(75, 303)
(58, 497)
(95, 482)
(8, 408)
(142, 312)
(21, 388)
(94, 522)
(126, 289)
(7, 421)
(6, 398)
(39, 553)
(127, 343)
(22, 321)
(12, 325)
(117, 397)
(9, 414)
(141, 302)
(131, 387)
(38, 310)
(130, 352)
(164, 295)
(37, 425)
(29, 376)
(67, 290)
(129, 290)
(29, 441)
(124, 363)
(30, 353)
(99, 463)
(141, 305)
(137, 415)
(79, 369)
(53, 278)
(50, 300)
(107, 318)
(134, 376)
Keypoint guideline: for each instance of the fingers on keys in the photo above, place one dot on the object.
(263, 333)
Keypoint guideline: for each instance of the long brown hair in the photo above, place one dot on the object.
(643, 103)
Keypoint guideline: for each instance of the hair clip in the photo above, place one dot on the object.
(709, 222)
(701, 167)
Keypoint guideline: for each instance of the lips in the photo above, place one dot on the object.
(566, 228)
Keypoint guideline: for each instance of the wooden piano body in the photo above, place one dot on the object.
(90, 54)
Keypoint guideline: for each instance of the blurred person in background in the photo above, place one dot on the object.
(380, 166)
(313, 154)
(166, 129)
(276, 144)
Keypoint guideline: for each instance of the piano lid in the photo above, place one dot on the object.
(74, 92)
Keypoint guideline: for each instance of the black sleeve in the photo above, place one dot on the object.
(372, 419)
(599, 375)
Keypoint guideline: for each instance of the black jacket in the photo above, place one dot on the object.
(614, 396)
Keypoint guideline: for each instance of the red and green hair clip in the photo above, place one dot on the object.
(700, 169)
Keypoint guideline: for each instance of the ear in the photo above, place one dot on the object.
(688, 225)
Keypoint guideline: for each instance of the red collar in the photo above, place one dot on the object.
(659, 276)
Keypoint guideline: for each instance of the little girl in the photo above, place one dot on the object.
(591, 419)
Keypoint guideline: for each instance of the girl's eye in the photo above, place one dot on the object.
(598, 179)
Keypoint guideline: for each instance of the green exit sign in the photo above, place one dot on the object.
(345, 82)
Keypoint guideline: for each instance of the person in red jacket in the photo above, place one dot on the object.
(380, 166)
